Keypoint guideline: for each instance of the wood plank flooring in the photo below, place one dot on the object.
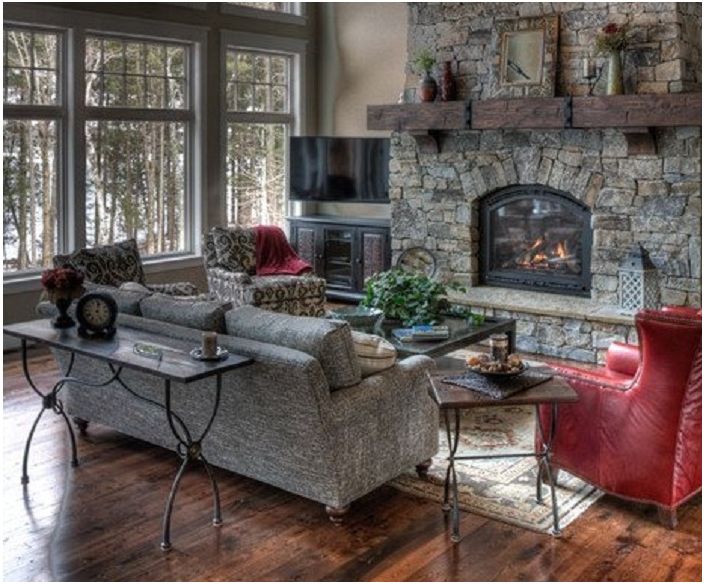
(101, 521)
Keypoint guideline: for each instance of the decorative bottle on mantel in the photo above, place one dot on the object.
(448, 87)
(613, 39)
(614, 81)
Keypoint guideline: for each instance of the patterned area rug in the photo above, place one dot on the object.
(502, 489)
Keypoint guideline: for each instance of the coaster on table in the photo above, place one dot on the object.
(499, 389)
(221, 354)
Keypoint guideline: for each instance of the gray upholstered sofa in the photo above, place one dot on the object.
(300, 419)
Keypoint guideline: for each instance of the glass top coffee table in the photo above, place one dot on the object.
(462, 334)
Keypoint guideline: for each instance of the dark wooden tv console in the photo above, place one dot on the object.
(343, 250)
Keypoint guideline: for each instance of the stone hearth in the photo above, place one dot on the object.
(654, 200)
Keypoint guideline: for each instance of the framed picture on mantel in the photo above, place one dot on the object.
(525, 58)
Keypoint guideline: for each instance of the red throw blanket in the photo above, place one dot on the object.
(274, 253)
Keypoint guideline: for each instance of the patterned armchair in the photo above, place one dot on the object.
(115, 265)
(230, 264)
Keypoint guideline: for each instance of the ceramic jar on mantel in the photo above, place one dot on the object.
(448, 87)
(428, 88)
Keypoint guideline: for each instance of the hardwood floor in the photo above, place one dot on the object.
(101, 521)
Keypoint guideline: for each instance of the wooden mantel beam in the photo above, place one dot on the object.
(636, 115)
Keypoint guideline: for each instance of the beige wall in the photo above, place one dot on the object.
(362, 61)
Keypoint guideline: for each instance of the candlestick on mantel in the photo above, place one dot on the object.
(588, 68)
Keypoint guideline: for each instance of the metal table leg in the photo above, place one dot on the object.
(544, 463)
(453, 440)
(189, 450)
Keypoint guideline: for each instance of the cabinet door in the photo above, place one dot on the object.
(374, 253)
(338, 257)
(304, 242)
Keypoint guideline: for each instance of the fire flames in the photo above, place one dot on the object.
(545, 255)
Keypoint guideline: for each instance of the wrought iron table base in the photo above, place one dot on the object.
(187, 448)
(451, 503)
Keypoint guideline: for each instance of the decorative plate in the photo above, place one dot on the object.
(418, 260)
(220, 354)
(499, 374)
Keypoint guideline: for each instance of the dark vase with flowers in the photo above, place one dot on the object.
(62, 286)
(428, 89)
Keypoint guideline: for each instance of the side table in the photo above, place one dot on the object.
(452, 399)
(173, 364)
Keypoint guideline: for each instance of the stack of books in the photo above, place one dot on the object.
(422, 332)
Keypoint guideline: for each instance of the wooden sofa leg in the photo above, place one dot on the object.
(667, 517)
(81, 424)
(422, 468)
(337, 514)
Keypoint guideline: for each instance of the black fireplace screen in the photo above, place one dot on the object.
(534, 237)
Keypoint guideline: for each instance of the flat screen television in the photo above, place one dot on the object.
(353, 170)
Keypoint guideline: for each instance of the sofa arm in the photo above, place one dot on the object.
(175, 288)
(623, 358)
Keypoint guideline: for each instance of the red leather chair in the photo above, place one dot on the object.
(636, 431)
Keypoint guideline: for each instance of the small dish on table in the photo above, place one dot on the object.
(486, 366)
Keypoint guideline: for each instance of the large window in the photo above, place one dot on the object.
(258, 100)
(31, 139)
(136, 166)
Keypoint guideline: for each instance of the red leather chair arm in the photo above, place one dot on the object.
(597, 378)
(623, 358)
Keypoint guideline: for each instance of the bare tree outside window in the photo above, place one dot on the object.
(136, 169)
(30, 145)
(258, 90)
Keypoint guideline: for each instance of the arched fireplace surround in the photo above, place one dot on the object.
(534, 237)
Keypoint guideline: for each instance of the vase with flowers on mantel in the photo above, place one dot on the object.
(611, 41)
(62, 285)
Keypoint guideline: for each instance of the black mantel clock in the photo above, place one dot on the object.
(96, 314)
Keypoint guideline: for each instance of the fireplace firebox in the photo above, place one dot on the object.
(535, 238)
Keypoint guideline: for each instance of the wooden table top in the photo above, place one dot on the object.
(461, 335)
(448, 396)
(175, 364)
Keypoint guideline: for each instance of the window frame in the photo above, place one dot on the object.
(72, 151)
(295, 118)
(57, 113)
(296, 16)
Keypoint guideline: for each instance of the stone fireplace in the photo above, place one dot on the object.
(533, 237)
(505, 211)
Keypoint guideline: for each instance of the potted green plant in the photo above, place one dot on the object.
(409, 297)
(610, 42)
(424, 63)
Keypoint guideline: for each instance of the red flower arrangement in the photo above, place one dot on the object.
(62, 283)
(612, 38)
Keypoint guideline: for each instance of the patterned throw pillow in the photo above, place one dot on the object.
(235, 249)
(109, 265)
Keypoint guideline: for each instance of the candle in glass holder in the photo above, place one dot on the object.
(209, 348)
(499, 347)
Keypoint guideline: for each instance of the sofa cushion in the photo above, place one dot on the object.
(205, 315)
(329, 341)
(108, 265)
(235, 248)
(127, 300)
(374, 353)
